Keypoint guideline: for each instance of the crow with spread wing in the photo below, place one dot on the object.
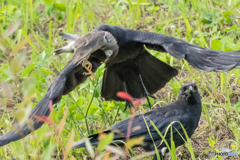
(129, 66)
(186, 110)
(135, 71)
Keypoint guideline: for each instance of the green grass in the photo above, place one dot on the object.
(27, 69)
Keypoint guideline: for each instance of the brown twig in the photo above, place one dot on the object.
(129, 130)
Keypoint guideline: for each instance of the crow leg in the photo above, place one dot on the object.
(146, 92)
(128, 104)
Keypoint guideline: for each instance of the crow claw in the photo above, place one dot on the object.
(128, 104)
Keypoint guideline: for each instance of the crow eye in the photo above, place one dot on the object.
(184, 88)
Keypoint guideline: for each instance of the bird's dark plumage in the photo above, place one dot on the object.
(130, 67)
(186, 109)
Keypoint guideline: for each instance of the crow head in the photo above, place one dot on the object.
(189, 93)
(117, 32)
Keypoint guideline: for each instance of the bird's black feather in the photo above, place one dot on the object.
(186, 110)
(201, 58)
(125, 76)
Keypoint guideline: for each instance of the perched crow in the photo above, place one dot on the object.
(129, 66)
(186, 109)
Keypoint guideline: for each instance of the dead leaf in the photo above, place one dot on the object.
(12, 29)
(19, 46)
(106, 157)
(69, 144)
(2, 48)
(62, 123)
(7, 89)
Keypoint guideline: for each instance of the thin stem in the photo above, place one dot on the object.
(129, 130)
(116, 115)
(76, 104)
(87, 113)
(105, 122)
(89, 107)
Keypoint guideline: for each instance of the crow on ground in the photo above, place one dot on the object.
(186, 109)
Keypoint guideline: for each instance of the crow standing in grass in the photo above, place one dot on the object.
(129, 66)
(186, 109)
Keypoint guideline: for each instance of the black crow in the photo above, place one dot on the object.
(129, 66)
(135, 71)
(186, 109)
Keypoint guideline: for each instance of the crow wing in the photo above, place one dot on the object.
(201, 58)
(159, 119)
(69, 78)
(42, 108)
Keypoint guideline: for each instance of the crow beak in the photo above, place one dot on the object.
(190, 89)
(108, 54)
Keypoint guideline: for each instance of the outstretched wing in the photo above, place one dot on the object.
(69, 78)
(201, 58)
(54, 93)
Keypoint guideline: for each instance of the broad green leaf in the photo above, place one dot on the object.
(27, 70)
(47, 153)
(237, 106)
(60, 6)
(79, 117)
(216, 44)
(105, 141)
(41, 56)
(34, 58)
(211, 142)
(48, 1)
(46, 71)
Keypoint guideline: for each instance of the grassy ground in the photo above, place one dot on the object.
(28, 68)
